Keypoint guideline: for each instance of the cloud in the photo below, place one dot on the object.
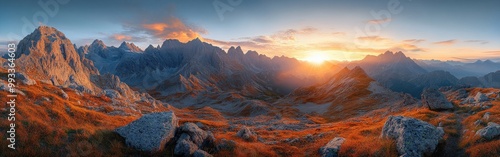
(339, 33)
(373, 38)
(477, 41)
(446, 42)
(121, 37)
(380, 21)
(414, 41)
(493, 52)
(172, 28)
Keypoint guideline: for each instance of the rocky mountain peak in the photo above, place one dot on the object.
(47, 53)
(171, 43)
(235, 51)
(98, 45)
(130, 47)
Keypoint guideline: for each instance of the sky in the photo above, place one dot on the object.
(308, 30)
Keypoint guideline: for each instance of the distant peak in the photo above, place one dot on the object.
(171, 43)
(129, 47)
(150, 48)
(98, 42)
(388, 53)
(235, 51)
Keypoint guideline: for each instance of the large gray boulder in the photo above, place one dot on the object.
(413, 137)
(150, 132)
(435, 100)
(332, 148)
(489, 132)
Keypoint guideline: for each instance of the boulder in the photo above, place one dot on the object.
(24, 78)
(191, 138)
(185, 148)
(413, 137)
(201, 153)
(489, 132)
(435, 100)
(112, 93)
(486, 116)
(197, 135)
(150, 132)
(480, 97)
(332, 148)
(245, 134)
(63, 94)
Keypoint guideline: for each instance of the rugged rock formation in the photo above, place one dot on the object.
(413, 137)
(480, 97)
(191, 138)
(332, 148)
(489, 132)
(24, 78)
(47, 53)
(435, 100)
(150, 132)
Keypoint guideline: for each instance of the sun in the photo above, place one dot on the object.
(316, 57)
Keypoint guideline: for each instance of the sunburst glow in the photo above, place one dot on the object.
(316, 57)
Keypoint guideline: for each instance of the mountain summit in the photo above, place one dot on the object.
(47, 54)
(129, 47)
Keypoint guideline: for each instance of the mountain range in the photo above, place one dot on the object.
(112, 96)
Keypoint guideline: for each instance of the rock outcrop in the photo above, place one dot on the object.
(332, 148)
(435, 100)
(150, 132)
(489, 132)
(47, 53)
(191, 138)
(480, 97)
(246, 134)
(413, 137)
(24, 78)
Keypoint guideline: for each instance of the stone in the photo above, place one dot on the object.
(413, 137)
(486, 116)
(489, 132)
(185, 148)
(196, 135)
(64, 95)
(245, 133)
(480, 97)
(24, 78)
(435, 100)
(201, 153)
(478, 122)
(113, 94)
(150, 132)
(332, 148)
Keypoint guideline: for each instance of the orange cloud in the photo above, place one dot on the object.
(121, 37)
(446, 42)
(380, 21)
(414, 41)
(173, 28)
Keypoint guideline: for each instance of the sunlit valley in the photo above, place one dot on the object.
(176, 90)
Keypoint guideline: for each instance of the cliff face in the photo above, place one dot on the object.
(47, 54)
